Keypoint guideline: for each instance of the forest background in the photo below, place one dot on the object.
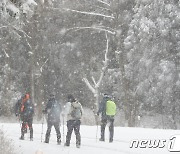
(129, 49)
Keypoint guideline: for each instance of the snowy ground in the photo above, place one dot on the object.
(121, 145)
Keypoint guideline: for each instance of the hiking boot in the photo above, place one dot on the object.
(31, 139)
(101, 139)
(66, 145)
(77, 146)
(110, 141)
(58, 139)
(21, 138)
(46, 141)
(59, 142)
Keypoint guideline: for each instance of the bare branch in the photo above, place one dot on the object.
(104, 8)
(21, 31)
(107, 28)
(6, 53)
(82, 12)
(107, 47)
(89, 85)
(95, 28)
(105, 63)
(90, 13)
(100, 79)
(4, 27)
(28, 43)
(43, 65)
(103, 2)
(53, 8)
(94, 80)
(10, 26)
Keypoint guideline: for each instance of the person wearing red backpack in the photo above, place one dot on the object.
(24, 109)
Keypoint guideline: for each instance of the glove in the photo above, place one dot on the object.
(97, 113)
(16, 114)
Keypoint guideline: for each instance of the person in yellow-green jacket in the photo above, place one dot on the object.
(107, 110)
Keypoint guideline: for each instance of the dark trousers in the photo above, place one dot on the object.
(73, 125)
(111, 128)
(25, 124)
(48, 132)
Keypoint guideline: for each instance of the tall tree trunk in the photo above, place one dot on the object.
(95, 88)
(7, 95)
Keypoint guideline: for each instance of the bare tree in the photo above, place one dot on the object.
(96, 84)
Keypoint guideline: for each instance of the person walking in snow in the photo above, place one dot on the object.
(73, 111)
(53, 110)
(24, 109)
(107, 109)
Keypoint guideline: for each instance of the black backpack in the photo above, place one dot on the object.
(28, 109)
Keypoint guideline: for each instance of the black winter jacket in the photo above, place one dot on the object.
(102, 107)
(53, 109)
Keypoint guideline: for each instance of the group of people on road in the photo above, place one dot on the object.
(24, 109)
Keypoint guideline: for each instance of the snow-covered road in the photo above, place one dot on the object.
(121, 145)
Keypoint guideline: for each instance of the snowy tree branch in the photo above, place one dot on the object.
(104, 8)
(105, 63)
(90, 13)
(89, 85)
(107, 47)
(93, 80)
(13, 27)
(107, 28)
(81, 12)
(103, 2)
(94, 90)
(6, 53)
(43, 65)
(28, 44)
(21, 31)
(53, 8)
(96, 28)
(3, 27)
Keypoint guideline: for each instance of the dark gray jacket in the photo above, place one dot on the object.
(53, 109)
(102, 107)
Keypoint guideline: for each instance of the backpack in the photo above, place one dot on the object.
(28, 109)
(110, 108)
(76, 112)
(55, 108)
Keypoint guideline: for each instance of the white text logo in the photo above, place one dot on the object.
(173, 144)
